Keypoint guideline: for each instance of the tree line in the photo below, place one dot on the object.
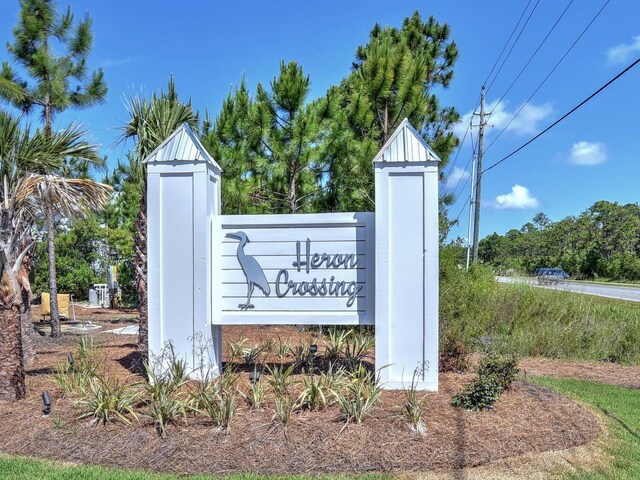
(601, 242)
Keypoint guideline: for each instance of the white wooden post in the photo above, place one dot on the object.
(406, 285)
(183, 193)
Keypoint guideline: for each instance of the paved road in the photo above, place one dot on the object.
(630, 293)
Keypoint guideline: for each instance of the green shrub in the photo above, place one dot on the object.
(479, 394)
(502, 368)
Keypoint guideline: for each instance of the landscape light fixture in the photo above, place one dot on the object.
(46, 399)
(70, 359)
(313, 348)
(254, 376)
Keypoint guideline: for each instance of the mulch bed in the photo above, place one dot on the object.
(527, 419)
(612, 373)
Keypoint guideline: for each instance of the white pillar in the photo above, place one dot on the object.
(183, 193)
(406, 285)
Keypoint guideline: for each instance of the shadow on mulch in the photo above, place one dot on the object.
(40, 371)
(133, 362)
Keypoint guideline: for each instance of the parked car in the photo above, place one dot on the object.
(551, 275)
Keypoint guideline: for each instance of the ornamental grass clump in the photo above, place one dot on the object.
(283, 348)
(165, 400)
(235, 349)
(412, 408)
(359, 396)
(303, 357)
(72, 379)
(108, 400)
(216, 399)
(283, 410)
(251, 355)
(165, 397)
(255, 395)
(355, 350)
(280, 379)
(314, 393)
(334, 342)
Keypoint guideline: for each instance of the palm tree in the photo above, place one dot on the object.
(57, 147)
(52, 51)
(24, 197)
(151, 122)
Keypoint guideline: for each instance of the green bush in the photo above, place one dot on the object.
(502, 368)
(479, 394)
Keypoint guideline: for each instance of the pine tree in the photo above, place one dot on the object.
(268, 146)
(393, 77)
(54, 54)
(232, 144)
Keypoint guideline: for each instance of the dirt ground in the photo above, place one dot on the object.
(527, 420)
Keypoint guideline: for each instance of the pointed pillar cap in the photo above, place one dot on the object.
(183, 145)
(406, 145)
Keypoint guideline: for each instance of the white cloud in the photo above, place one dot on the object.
(519, 197)
(526, 123)
(457, 176)
(587, 153)
(621, 53)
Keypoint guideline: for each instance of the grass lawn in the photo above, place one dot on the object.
(28, 469)
(621, 407)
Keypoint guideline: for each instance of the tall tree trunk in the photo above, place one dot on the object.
(28, 332)
(11, 367)
(53, 281)
(141, 271)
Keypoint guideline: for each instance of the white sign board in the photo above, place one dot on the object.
(294, 269)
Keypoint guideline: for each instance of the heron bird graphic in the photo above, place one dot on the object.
(251, 269)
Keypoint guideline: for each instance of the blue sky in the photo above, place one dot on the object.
(209, 46)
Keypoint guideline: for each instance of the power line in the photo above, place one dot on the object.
(603, 87)
(473, 154)
(506, 44)
(532, 55)
(504, 47)
(575, 42)
(458, 151)
(514, 44)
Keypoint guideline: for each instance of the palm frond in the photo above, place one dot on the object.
(70, 197)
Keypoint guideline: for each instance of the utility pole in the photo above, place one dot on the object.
(471, 204)
(476, 220)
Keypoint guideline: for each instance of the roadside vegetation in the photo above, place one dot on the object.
(477, 312)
